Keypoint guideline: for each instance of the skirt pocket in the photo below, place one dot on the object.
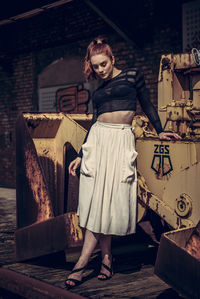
(129, 166)
(88, 160)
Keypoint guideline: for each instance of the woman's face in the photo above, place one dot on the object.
(103, 66)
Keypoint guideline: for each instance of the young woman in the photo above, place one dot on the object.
(108, 180)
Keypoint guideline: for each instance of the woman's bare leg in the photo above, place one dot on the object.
(90, 242)
(105, 245)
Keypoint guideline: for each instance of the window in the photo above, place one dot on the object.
(47, 98)
(191, 25)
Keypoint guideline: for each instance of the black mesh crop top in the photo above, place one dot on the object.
(120, 93)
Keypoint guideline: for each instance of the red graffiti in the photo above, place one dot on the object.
(73, 99)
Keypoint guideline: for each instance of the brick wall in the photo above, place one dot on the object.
(28, 46)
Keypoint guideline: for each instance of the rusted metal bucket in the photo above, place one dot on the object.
(175, 263)
(47, 196)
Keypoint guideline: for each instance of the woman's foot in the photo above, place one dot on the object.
(75, 277)
(106, 268)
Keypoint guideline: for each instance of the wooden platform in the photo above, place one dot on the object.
(134, 266)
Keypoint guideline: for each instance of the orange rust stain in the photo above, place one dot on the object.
(75, 230)
(38, 187)
(193, 244)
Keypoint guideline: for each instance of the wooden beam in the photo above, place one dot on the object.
(33, 12)
(29, 287)
(109, 22)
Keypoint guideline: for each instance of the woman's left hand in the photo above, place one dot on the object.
(169, 136)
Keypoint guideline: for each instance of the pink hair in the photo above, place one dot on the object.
(97, 46)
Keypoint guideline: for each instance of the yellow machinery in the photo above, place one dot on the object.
(171, 169)
(46, 195)
(168, 171)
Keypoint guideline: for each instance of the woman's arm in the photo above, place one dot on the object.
(147, 106)
(150, 110)
(74, 165)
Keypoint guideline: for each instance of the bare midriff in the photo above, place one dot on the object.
(117, 117)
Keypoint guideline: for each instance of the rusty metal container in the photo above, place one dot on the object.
(47, 196)
(57, 138)
(176, 266)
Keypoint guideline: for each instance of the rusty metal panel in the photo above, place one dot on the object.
(176, 266)
(171, 170)
(33, 200)
(193, 243)
(45, 192)
(161, 208)
(43, 128)
(52, 235)
(57, 138)
(40, 238)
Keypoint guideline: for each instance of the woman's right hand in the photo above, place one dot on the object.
(74, 165)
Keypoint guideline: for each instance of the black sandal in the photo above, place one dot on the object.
(75, 281)
(106, 277)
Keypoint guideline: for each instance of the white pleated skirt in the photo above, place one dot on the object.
(108, 180)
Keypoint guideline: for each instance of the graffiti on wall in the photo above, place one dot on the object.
(72, 99)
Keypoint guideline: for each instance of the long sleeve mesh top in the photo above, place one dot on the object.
(121, 93)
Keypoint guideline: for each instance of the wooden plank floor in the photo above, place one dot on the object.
(134, 266)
